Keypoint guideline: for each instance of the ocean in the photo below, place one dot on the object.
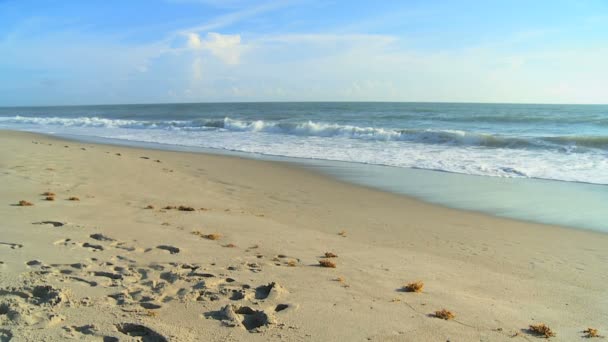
(493, 158)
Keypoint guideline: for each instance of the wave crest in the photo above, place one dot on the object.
(329, 130)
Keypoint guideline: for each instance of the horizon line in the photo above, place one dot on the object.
(268, 102)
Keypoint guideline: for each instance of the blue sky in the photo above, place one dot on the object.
(146, 51)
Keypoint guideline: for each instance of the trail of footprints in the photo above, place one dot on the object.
(136, 288)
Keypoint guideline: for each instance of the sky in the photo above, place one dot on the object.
(75, 52)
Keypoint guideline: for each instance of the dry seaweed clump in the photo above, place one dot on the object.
(590, 332)
(73, 198)
(48, 193)
(444, 314)
(342, 233)
(212, 236)
(49, 198)
(327, 263)
(229, 245)
(541, 329)
(185, 208)
(415, 286)
(25, 203)
(149, 206)
(330, 255)
(292, 263)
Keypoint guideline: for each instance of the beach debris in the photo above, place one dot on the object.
(48, 193)
(415, 286)
(230, 245)
(330, 255)
(149, 206)
(342, 233)
(213, 236)
(25, 203)
(327, 263)
(49, 198)
(73, 198)
(541, 329)
(591, 332)
(180, 208)
(444, 314)
(292, 263)
(118, 154)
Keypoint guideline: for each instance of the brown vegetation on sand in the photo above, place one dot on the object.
(327, 263)
(444, 314)
(415, 286)
(541, 329)
(590, 332)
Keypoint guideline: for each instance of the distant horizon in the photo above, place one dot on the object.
(235, 51)
(269, 102)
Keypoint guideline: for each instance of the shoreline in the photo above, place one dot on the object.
(324, 168)
(498, 275)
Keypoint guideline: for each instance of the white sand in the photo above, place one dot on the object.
(498, 276)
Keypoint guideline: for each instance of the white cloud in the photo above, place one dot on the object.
(225, 47)
(194, 41)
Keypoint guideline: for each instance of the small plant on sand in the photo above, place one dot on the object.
(327, 263)
(149, 206)
(415, 286)
(74, 198)
(330, 255)
(342, 233)
(25, 203)
(185, 208)
(590, 332)
(48, 193)
(229, 245)
(541, 329)
(444, 314)
(49, 198)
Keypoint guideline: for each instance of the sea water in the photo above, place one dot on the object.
(544, 163)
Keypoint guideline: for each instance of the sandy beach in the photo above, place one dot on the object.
(110, 255)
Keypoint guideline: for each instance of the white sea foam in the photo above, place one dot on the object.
(560, 158)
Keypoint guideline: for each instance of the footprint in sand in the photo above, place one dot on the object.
(243, 317)
(100, 237)
(95, 248)
(145, 333)
(53, 223)
(11, 245)
(170, 249)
